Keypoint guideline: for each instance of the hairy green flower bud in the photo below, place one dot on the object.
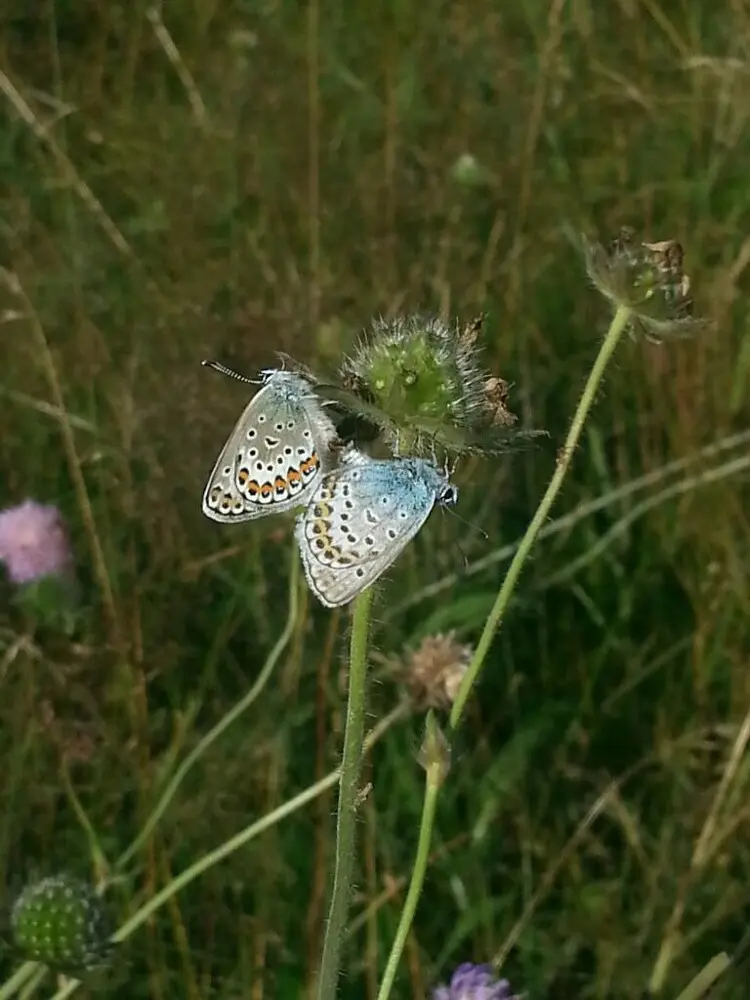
(422, 384)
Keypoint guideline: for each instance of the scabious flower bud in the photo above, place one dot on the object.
(474, 982)
(62, 922)
(469, 172)
(421, 382)
(647, 278)
(435, 752)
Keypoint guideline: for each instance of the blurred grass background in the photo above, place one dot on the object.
(198, 179)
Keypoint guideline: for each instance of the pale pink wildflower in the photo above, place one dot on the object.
(34, 542)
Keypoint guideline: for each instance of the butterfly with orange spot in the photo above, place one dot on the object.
(276, 454)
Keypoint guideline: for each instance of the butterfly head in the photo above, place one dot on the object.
(447, 495)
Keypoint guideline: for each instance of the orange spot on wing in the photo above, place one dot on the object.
(252, 488)
(310, 463)
(280, 484)
(266, 490)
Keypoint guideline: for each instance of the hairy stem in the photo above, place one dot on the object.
(346, 822)
(565, 457)
(432, 787)
(435, 773)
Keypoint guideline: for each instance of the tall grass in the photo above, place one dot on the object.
(231, 180)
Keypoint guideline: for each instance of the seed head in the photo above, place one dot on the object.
(647, 278)
(62, 922)
(434, 670)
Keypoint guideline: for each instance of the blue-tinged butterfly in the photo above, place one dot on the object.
(361, 516)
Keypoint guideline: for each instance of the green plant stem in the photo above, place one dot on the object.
(346, 821)
(17, 980)
(98, 858)
(214, 857)
(433, 782)
(226, 720)
(432, 786)
(706, 978)
(611, 340)
(29, 987)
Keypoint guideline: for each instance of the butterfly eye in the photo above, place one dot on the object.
(449, 496)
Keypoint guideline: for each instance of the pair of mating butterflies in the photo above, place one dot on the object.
(359, 512)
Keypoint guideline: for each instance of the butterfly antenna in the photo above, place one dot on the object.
(457, 543)
(229, 372)
(463, 554)
(474, 527)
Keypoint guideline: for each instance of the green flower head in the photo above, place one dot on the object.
(62, 922)
(422, 384)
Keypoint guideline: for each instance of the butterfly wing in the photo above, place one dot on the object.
(361, 517)
(274, 456)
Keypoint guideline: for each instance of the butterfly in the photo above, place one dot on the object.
(360, 518)
(276, 454)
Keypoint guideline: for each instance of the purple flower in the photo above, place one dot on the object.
(33, 542)
(474, 982)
